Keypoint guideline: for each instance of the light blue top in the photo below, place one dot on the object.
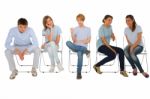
(104, 32)
(82, 33)
(15, 38)
(132, 36)
(56, 31)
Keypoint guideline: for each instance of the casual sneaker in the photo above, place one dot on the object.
(34, 73)
(13, 74)
(134, 72)
(97, 69)
(146, 75)
(124, 73)
(79, 76)
(60, 68)
(87, 53)
(52, 69)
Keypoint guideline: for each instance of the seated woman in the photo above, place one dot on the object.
(103, 46)
(133, 35)
(51, 44)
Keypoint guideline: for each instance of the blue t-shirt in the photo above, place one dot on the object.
(56, 31)
(82, 33)
(104, 32)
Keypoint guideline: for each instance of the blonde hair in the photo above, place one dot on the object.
(81, 17)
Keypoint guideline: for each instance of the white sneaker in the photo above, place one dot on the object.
(13, 74)
(52, 69)
(60, 68)
(34, 73)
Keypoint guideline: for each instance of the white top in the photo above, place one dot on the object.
(132, 36)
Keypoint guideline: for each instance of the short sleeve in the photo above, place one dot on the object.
(89, 32)
(43, 32)
(125, 31)
(101, 32)
(139, 29)
(59, 31)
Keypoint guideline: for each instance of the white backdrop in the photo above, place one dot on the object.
(64, 85)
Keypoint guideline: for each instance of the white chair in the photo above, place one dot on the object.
(143, 54)
(107, 68)
(44, 58)
(86, 67)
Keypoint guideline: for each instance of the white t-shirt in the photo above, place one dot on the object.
(132, 36)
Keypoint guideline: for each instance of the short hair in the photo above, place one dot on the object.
(22, 21)
(81, 17)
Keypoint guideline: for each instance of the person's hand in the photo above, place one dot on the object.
(131, 49)
(114, 51)
(113, 38)
(42, 46)
(19, 53)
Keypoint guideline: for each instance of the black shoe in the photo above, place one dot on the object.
(87, 53)
(79, 76)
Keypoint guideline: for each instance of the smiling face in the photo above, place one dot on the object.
(49, 23)
(129, 22)
(108, 21)
(80, 22)
(22, 28)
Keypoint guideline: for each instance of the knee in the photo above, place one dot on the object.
(112, 56)
(68, 43)
(133, 56)
(121, 51)
(37, 51)
(7, 52)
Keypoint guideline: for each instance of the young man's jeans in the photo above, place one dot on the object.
(111, 55)
(10, 57)
(132, 57)
(80, 51)
(52, 50)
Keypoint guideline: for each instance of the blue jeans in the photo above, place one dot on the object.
(80, 51)
(132, 57)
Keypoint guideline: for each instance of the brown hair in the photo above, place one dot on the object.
(22, 21)
(106, 17)
(134, 22)
(45, 19)
(81, 17)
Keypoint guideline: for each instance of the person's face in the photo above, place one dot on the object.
(129, 22)
(22, 28)
(108, 21)
(80, 22)
(49, 23)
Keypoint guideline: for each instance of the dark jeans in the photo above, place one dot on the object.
(111, 55)
(132, 57)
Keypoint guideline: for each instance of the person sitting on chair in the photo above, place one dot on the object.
(133, 34)
(81, 36)
(103, 46)
(52, 33)
(20, 41)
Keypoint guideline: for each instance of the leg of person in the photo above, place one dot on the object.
(134, 57)
(55, 52)
(36, 52)
(128, 56)
(110, 56)
(9, 56)
(51, 56)
(121, 60)
(79, 64)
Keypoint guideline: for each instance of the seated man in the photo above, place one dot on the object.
(20, 41)
(81, 36)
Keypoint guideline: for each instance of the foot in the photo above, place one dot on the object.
(134, 72)
(60, 68)
(13, 74)
(87, 53)
(52, 69)
(79, 76)
(34, 73)
(124, 73)
(146, 75)
(97, 69)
